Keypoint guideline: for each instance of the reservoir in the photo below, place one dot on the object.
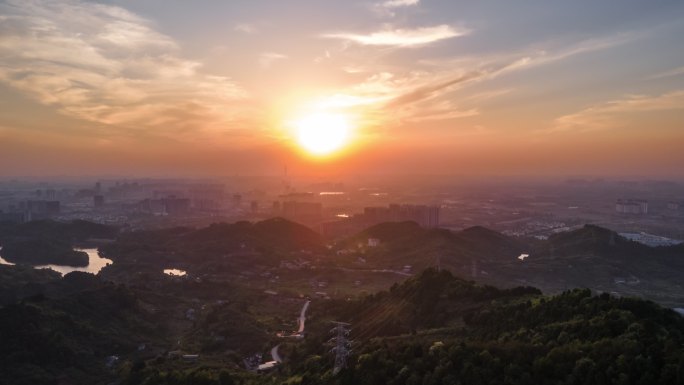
(95, 263)
(174, 272)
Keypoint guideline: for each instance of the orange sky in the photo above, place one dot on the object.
(436, 87)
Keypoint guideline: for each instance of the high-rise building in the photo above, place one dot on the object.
(98, 201)
(425, 216)
(12, 216)
(433, 216)
(631, 206)
(207, 196)
(304, 212)
(237, 200)
(50, 194)
(40, 209)
(165, 206)
(175, 205)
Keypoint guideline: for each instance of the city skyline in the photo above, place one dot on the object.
(176, 88)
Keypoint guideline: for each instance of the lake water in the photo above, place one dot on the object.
(3, 262)
(175, 272)
(95, 263)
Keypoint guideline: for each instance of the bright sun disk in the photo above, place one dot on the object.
(322, 133)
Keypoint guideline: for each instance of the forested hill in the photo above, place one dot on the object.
(81, 329)
(597, 240)
(434, 328)
(590, 256)
(49, 242)
(189, 245)
(485, 245)
(65, 335)
(470, 334)
(432, 299)
(410, 243)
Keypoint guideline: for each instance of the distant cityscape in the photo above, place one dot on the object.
(337, 209)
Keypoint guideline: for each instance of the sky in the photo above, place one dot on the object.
(443, 87)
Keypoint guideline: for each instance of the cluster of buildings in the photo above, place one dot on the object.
(424, 215)
(165, 206)
(650, 239)
(124, 202)
(31, 210)
(674, 206)
(631, 206)
(114, 201)
(303, 212)
(180, 198)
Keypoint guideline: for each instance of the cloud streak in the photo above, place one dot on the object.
(388, 7)
(402, 37)
(614, 114)
(245, 28)
(106, 65)
(399, 3)
(666, 74)
(267, 58)
(427, 95)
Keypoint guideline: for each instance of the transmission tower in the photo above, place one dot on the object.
(342, 345)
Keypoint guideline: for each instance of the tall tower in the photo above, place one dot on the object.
(342, 345)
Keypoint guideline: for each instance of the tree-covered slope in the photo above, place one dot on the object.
(217, 242)
(509, 337)
(590, 256)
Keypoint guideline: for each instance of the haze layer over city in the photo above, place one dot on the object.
(341, 192)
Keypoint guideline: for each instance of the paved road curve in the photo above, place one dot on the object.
(275, 355)
(302, 317)
(301, 320)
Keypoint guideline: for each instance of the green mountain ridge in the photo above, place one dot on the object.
(434, 327)
(591, 257)
(464, 333)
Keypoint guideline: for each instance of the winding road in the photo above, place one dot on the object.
(302, 317)
(275, 355)
(301, 321)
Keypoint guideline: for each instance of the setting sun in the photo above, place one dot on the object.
(323, 133)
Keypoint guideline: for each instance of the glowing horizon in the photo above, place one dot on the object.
(402, 86)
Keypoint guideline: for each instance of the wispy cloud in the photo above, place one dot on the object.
(267, 58)
(442, 110)
(420, 95)
(399, 3)
(666, 74)
(446, 75)
(402, 37)
(247, 28)
(384, 97)
(387, 8)
(431, 90)
(615, 113)
(104, 64)
(538, 55)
